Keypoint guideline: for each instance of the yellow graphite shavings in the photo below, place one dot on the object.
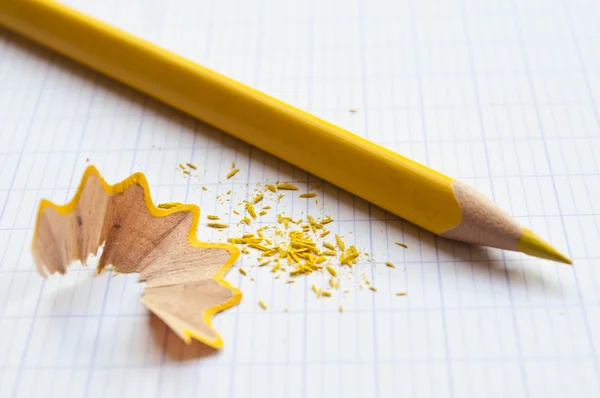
(329, 246)
(276, 267)
(404, 245)
(169, 205)
(340, 243)
(258, 198)
(286, 187)
(292, 247)
(250, 209)
(313, 224)
(264, 262)
(242, 271)
(262, 305)
(326, 220)
(271, 187)
(314, 288)
(390, 264)
(232, 173)
(217, 225)
(349, 258)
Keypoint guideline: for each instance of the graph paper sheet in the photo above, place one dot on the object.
(502, 95)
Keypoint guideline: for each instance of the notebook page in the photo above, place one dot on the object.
(502, 96)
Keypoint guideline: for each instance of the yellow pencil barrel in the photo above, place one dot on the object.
(391, 181)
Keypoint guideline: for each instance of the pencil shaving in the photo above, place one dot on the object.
(184, 277)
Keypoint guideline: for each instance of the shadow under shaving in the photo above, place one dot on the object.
(175, 348)
(164, 340)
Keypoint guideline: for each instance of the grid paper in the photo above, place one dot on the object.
(502, 95)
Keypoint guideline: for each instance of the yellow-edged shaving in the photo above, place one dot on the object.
(92, 176)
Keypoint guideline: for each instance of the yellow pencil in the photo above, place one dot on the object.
(406, 188)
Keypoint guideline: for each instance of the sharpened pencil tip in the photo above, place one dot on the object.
(531, 244)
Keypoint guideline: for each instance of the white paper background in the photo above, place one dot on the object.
(503, 95)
